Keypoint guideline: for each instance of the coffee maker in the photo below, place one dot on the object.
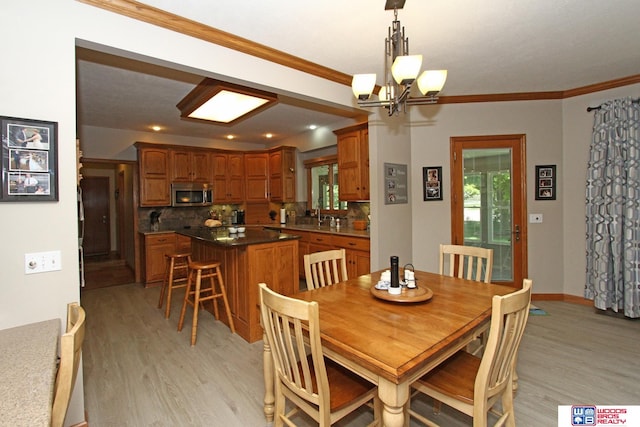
(237, 216)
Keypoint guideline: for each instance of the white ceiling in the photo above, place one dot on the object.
(488, 46)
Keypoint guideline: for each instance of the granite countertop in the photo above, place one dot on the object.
(343, 231)
(27, 372)
(221, 236)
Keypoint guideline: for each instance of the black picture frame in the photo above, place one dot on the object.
(29, 160)
(546, 188)
(432, 183)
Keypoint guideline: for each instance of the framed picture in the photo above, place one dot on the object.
(546, 182)
(29, 160)
(395, 184)
(432, 183)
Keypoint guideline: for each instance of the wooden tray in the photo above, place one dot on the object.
(418, 294)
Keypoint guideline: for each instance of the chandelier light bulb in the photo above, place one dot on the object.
(431, 82)
(362, 85)
(406, 68)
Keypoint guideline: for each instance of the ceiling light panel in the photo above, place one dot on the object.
(223, 103)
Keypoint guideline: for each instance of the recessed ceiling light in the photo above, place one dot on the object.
(156, 128)
(313, 127)
(223, 103)
(268, 135)
(230, 136)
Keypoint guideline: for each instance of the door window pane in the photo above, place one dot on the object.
(487, 205)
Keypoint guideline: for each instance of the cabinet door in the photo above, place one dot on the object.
(228, 177)
(235, 183)
(180, 166)
(201, 167)
(358, 263)
(257, 177)
(156, 246)
(153, 164)
(353, 164)
(275, 176)
(288, 175)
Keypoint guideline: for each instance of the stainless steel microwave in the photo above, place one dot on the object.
(191, 194)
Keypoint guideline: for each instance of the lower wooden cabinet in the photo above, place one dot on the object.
(358, 252)
(154, 247)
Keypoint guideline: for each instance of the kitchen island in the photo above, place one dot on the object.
(248, 258)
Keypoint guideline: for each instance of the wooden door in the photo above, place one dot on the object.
(97, 231)
(488, 201)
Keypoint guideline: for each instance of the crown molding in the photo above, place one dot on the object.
(170, 21)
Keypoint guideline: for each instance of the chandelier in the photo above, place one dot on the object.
(400, 72)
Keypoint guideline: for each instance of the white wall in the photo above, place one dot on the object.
(391, 225)
(541, 122)
(38, 82)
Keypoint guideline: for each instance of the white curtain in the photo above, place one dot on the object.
(612, 208)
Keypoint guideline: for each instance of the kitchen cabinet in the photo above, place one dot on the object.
(243, 267)
(358, 254)
(153, 166)
(353, 162)
(228, 177)
(154, 247)
(256, 167)
(282, 175)
(191, 166)
(357, 249)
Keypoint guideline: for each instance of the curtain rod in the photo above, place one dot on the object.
(589, 109)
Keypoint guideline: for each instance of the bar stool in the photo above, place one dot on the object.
(199, 270)
(175, 276)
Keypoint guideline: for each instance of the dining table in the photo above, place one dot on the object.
(28, 365)
(392, 340)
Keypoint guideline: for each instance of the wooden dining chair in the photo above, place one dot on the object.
(471, 263)
(325, 268)
(321, 388)
(70, 351)
(466, 262)
(472, 385)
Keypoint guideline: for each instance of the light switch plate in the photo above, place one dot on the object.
(535, 218)
(41, 262)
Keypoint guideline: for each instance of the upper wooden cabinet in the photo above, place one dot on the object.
(237, 177)
(353, 162)
(191, 166)
(228, 177)
(256, 166)
(153, 164)
(282, 175)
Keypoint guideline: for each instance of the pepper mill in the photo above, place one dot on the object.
(395, 277)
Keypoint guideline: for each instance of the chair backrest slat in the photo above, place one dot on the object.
(325, 268)
(467, 262)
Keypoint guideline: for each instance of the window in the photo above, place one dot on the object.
(322, 185)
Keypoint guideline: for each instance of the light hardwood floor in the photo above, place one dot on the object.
(139, 371)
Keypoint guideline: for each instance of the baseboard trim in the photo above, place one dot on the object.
(562, 297)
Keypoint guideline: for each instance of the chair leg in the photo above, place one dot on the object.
(167, 310)
(168, 271)
(196, 306)
(186, 299)
(223, 291)
(216, 314)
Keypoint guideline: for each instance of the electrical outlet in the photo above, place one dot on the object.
(41, 262)
(535, 218)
